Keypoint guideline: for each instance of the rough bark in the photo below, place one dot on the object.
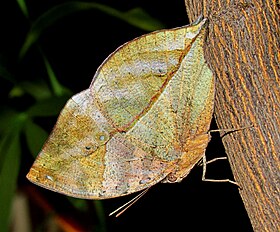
(243, 52)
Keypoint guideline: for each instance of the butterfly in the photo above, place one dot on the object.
(143, 120)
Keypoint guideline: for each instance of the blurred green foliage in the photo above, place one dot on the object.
(25, 100)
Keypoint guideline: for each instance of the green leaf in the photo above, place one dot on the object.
(23, 7)
(79, 204)
(10, 153)
(8, 180)
(16, 91)
(37, 89)
(5, 74)
(3, 146)
(136, 17)
(141, 19)
(57, 88)
(100, 214)
(35, 137)
(11, 123)
(7, 119)
(47, 107)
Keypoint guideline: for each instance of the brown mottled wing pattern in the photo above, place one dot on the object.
(145, 116)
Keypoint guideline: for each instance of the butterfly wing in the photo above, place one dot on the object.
(127, 131)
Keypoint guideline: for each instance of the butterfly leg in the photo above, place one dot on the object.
(211, 161)
(204, 163)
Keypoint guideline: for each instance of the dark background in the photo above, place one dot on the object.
(75, 46)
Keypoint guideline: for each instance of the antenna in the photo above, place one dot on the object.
(129, 203)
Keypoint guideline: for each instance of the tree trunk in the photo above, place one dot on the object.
(242, 50)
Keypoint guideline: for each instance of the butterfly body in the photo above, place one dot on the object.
(143, 120)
